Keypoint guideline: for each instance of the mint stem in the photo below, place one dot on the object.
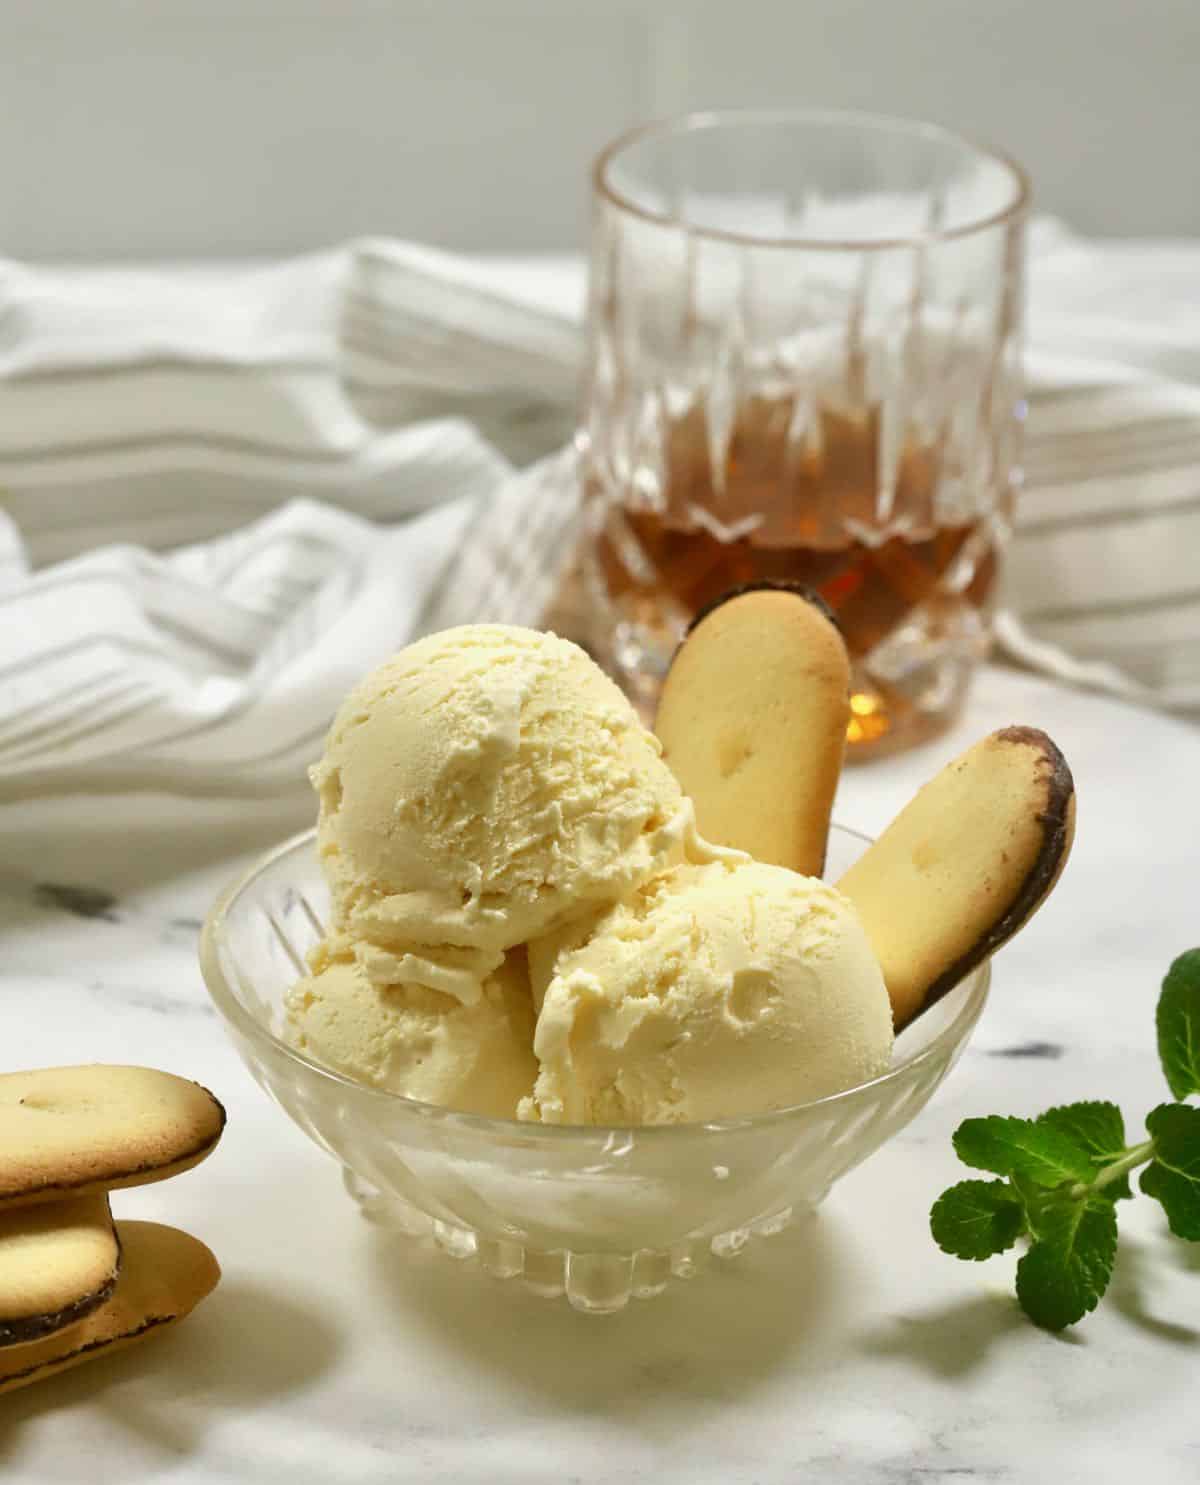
(1133, 1157)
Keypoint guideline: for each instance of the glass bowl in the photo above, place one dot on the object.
(600, 1214)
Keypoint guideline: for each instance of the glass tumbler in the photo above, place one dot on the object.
(804, 364)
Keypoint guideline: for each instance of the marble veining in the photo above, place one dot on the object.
(1050, 1050)
(83, 902)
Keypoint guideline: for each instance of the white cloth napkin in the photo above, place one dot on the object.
(168, 407)
(338, 397)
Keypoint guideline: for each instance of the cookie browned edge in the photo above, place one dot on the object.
(765, 585)
(9, 1381)
(1057, 821)
(37, 1327)
(139, 1175)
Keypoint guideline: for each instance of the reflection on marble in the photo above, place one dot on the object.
(847, 1349)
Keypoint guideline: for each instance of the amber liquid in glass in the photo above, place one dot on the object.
(800, 503)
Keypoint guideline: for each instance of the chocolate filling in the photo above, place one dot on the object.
(57, 1362)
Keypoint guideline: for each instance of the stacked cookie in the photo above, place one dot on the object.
(74, 1284)
(752, 720)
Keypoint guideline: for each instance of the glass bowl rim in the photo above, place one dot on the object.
(977, 982)
(695, 122)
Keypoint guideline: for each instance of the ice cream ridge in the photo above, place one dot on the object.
(540, 909)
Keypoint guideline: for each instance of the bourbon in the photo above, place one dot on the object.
(799, 499)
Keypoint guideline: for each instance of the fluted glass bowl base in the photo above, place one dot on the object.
(593, 1283)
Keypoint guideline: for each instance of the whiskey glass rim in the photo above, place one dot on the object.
(973, 990)
(704, 119)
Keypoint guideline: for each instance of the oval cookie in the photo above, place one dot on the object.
(752, 720)
(964, 864)
(73, 1130)
(165, 1273)
(58, 1262)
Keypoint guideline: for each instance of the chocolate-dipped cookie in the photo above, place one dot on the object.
(965, 864)
(164, 1275)
(58, 1262)
(69, 1131)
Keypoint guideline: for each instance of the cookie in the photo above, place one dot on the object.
(964, 865)
(752, 719)
(164, 1274)
(58, 1263)
(68, 1131)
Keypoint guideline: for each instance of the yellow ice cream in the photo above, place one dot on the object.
(713, 991)
(484, 786)
(524, 920)
(408, 1039)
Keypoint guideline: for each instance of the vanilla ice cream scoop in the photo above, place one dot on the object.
(480, 788)
(408, 1039)
(714, 991)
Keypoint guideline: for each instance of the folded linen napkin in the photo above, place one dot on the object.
(337, 397)
(163, 407)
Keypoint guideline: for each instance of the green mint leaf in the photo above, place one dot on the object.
(1032, 1197)
(1179, 1196)
(1173, 1177)
(1176, 1131)
(1097, 1128)
(1020, 1147)
(976, 1219)
(1067, 1269)
(1178, 1022)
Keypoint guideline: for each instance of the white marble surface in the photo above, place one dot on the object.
(848, 1350)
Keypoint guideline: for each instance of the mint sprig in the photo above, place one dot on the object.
(1063, 1173)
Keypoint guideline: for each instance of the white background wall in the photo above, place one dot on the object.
(157, 128)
